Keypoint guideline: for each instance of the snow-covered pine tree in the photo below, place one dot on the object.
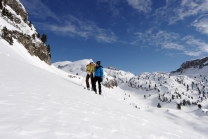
(199, 106)
(30, 24)
(179, 106)
(158, 105)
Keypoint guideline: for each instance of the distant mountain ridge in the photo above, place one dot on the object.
(194, 65)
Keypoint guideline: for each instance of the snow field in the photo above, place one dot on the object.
(40, 101)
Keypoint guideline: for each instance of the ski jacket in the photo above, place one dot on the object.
(90, 68)
(98, 72)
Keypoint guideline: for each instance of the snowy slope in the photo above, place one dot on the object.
(194, 71)
(40, 101)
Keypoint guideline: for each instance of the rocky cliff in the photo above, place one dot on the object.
(18, 8)
(14, 13)
(198, 63)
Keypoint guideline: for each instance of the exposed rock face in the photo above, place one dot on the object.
(198, 63)
(38, 49)
(17, 20)
(110, 84)
(112, 68)
(18, 8)
(34, 47)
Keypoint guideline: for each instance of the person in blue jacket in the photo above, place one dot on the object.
(98, 76)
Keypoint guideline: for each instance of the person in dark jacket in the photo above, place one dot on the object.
(98, 76)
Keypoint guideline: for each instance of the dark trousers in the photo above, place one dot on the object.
(99, 84)
(89, 76)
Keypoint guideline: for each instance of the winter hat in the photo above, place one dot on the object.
(98, 62)
(91, 61)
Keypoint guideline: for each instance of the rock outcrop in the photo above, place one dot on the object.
(34, 48)
(16, 15)
(198, 63)
(110, 84)
(18, 8)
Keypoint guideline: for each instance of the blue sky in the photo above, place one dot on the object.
(132, 35)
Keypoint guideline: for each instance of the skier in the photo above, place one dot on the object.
(98, 76)
(90, 71)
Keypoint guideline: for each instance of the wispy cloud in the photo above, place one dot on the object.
(112, 6)
(141, 5)
(201, 24)
(155, 37)
(176, 10)
(193, 53)
(68, 24)
(75, 27)
(171, 45)
(38, 10)
(187, 45)
(197, 44)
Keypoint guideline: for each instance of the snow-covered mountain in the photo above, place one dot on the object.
(113, 77)
(76, 68)
(38, 100)
(196, 67)
(14, 26)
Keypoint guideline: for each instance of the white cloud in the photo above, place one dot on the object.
(141, 5)
(197, 44)
(75, 27)
(112, 6)
(155, 37)
(176, 10)
(201, 25)
(172, 45)
(38, 10)
(68, 24)
(193, 53)
(171, 41)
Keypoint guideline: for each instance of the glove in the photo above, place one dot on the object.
(101, 79)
